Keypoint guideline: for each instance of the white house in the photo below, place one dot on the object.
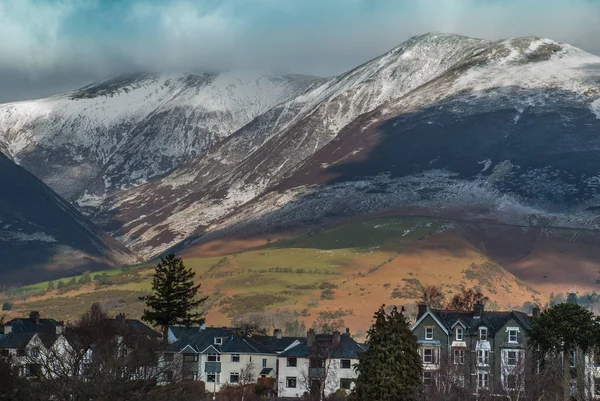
(319, 363)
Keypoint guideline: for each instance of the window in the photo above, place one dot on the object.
(235, 357)
(483, 379)
(459, 334)
(234, 377)
(597, 387)
(213, 358)
(290, 382)
(572, 358)
(428, 378)
(190, 376)
(264, 363)
(511, 358)
(459, 356)
(429, 333)
(168, 357)
(20, 352)
(428, 356)
(4, 352)
(316, 363)
(345, 364)
(483, 357)
(483, 334)
(213, 378)
(346, 384)
(34, 352)
(292, 362)
(511, 382)
(512, 335)
(190, 357)
(218, 340)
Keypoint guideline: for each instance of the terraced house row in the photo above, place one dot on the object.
(487, 351)
(288, 366)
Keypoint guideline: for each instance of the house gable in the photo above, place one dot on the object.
(440, 332)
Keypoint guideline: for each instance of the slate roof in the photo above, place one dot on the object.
(276, 344)
(240, 345)
(492, 320)
(27, 325)
(131, 326)
(348, 348)
(198, 339)
(15, 340)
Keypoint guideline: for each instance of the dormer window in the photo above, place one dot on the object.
(429, 333)
(483, 334)
(459, 334)
(513, 333)
(218, 341)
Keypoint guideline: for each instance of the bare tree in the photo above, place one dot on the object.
(319, 378)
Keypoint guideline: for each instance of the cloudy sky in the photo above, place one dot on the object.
(47, 46)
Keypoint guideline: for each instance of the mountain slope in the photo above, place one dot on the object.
(121, 132)
(442, 124)
(42, 236)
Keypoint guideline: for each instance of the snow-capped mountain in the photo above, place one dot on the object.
(318, 154)
(120, 133)
(442, 124)
(42, 236)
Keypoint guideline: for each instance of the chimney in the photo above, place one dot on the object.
(60, 327)
(478, 309)
(201, 326)
(535, 311)
(422, 308)
(7, 329)
(120, 318)
(335, 341)
(277, 334)
(347, 333)
(34, 316)
(310, 337)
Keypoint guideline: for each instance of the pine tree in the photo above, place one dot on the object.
(174, 296)
(390, 369)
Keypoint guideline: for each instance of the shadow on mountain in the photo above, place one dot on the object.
(42, 236)
(535, 151)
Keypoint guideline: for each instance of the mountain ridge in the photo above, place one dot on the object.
(440, 124)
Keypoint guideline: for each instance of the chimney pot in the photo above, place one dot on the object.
(34, 316)
(347, 332)
(310, 337)
(478, 309)
(277, 334)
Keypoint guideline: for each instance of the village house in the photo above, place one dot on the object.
(318, 363)
(217, 356)
(26, 341)
(483, 350)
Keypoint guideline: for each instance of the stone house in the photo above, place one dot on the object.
(483, 351)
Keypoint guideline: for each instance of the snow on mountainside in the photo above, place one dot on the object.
(263, 151)
(42, 236)
(119, 133)
(442, 124)
(338, 123)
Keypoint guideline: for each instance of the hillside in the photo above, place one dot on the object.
(42, 236)
(365, 263)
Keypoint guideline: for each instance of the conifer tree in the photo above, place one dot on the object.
(390, 369)
(51, 286)
(174, 300)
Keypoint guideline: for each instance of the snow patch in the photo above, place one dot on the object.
(596, 108)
